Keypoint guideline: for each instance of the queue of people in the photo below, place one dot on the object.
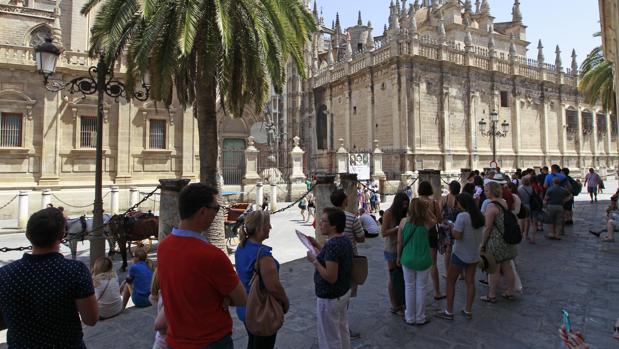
(194, 283)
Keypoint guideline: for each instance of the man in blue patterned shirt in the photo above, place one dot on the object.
(43, 295)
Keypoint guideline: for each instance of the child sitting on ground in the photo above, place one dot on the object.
(137, 285)
(106, 288)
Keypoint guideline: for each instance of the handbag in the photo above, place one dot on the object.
(359, 270)
(264, 315)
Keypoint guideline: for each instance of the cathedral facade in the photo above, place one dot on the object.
(422, 87)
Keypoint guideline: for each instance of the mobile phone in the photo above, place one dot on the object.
(566, 320)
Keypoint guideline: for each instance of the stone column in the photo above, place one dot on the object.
(273, 203)
(579, 139)
(545, 107)
(259, 195)
(296, 155)
(563, 130)
(349, 183)
(168, 205)
(22, 209)
(251, 163)
(434, 177)
(46, 197)
(134, 196)
(322, 192)
(377, 162)
(114, 199)
(341, 158)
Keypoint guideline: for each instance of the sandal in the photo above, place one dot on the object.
(439, 297)
(397, 311)
(467, 314)
(443, 314)
(596, 233)
(608, 240)
(488, 299)
(509, 297)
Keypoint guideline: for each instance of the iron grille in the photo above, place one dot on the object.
(11, 130)
(157, 134)
(88, 132)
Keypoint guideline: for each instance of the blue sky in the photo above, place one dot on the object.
(567, 23)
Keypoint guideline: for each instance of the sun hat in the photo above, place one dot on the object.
(488, 262)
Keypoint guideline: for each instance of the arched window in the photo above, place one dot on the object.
(38, 35)
(601, 123)
(587, 122)
(321, 127)
(571, 118)
(613, 127)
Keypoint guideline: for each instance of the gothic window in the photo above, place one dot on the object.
(157, 134)
(571, 118)
(321, 127)
(504, 99)
(11, 130)
(39, 34)
(613, 127)
(359, 47)
(587, 122)
(601, 124)
(88, 132)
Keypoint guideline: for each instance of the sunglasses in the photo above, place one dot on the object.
(214, 208)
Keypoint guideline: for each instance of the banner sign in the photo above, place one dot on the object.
(359, 163)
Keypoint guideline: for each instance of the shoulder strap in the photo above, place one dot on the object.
(105, 289)
(256, 262)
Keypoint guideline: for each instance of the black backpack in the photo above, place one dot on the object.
(511, 230)
(535, 201)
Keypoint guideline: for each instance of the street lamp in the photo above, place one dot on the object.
(493, 131)
(100, 79)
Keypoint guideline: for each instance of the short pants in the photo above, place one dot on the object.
(390, 256)
(458, 262)
(140, 301)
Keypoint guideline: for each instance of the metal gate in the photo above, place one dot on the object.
(233, 165)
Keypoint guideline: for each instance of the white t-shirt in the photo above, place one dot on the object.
(369, 224)
(108, 296)
(467, 249)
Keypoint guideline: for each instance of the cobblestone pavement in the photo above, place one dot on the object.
(577, 273)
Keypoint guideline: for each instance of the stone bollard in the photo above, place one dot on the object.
(377, 162)
(323, 188)
(434, 177)
(349, 183)
(22, 209)
(341, 157)
(259, 195)
(46, 198)
(134, 196)
(168, 205)
(273, 203)
(114, 204)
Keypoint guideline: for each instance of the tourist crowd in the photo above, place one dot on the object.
(44, 298)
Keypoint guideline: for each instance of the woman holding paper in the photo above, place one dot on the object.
(332, 281)
(255, 231)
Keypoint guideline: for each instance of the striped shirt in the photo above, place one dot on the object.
(353, 230)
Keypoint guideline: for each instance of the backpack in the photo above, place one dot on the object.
(576, 187)
(511, 230)
(535, 201)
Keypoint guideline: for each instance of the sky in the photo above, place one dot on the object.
(567, 23)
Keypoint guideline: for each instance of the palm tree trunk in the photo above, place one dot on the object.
(206, 104)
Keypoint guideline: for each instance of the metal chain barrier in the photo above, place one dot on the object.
(296, 202)
(10, 201)
(68, 204)
(21, 248)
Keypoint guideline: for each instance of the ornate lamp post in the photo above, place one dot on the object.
(493, 131)
(100, 79)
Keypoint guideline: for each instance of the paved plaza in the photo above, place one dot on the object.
(577, 273)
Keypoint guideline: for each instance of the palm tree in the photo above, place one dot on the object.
(212, 53)
(597, 82)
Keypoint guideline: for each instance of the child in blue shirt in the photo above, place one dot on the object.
(137, 285)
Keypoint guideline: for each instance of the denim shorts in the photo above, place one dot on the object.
(140, 301)
(390, 256)
(458, 262)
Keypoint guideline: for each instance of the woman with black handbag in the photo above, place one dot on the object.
(389, 230)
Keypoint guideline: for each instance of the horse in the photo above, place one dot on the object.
(135, 226)
(77, 229)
